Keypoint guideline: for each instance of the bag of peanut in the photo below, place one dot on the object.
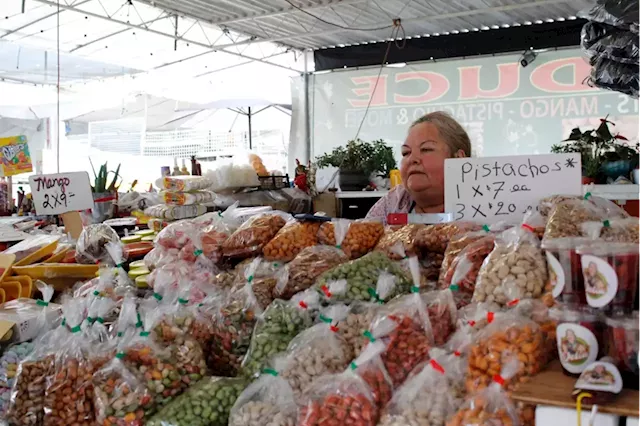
(251, 237)
(361, 236)
(291, 239)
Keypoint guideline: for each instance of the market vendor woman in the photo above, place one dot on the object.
(432, 139)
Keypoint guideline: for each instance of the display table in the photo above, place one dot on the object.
(356, 204)
(551, 387)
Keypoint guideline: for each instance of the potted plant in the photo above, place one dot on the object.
(357, 161)
(600, 152)
(103, 195)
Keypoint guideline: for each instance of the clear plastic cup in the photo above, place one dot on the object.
(565, 271)
(610, 276)
(579, 337)
(621, 340)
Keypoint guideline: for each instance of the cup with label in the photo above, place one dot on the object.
(621, 340)
(565, 271)
(610, 276)
(578, 336)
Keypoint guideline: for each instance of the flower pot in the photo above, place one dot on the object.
(588, 180)
(614, 169)
(353, 180)
(636, 176)
(102, 206)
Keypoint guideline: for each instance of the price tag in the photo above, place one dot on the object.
(61, 193)
(492, 189)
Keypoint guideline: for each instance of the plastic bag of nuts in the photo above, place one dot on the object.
(291, 239)
(424, 399)
(207, 403)
(540, 313)
(268, 401)
(607, 207)
(613, 230)
(357, 322)
(369, 366)
(566, 218)
(405, 236)
(249, 239)
(337, 399)
(460, 277)
(442, 312)
(358, 279)
(263, 277)
(508, 334)
(306, 267)
(233, 327)
(360, 238)
(490, 406)
(403, 326)
(516, 264)
(69, 389)
(316, 351)
(120, 398)
(275, 329)
(435, 238)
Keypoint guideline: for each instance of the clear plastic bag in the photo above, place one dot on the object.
(30, 246)
(515, 269)
(403, 326)
(460, 277)
(291, 239)
(358, 280)
(207, 403)
(267, 401)
(361, 236)
(186, 198)
(508, 335)
(490, 406)
(249, 239)
(120, 398)
(91, 246)
(566, 217)
(9, 362)
(163, 211)
(337, 398)
(356, 323)
(613, 230)
(275, 329)
(369, 366)
(316, 351)
(539, 312)
(442, 312)
(405, 236)
(435, 238)
(185, 183)
(424, 399)
(306, 267)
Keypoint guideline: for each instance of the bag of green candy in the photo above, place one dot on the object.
(357, 280)
(276, 327)
(207, 403)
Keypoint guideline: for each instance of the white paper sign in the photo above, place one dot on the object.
(61, 193)
(492, 189)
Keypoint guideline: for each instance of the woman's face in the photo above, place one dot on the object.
(422, 165)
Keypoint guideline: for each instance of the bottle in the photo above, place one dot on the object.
(183, 170)
(395, 178)
(176, 169)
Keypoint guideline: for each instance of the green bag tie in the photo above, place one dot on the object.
(271, 371)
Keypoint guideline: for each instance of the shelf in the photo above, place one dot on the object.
(614, 192)
(552, 388)
(361, 194)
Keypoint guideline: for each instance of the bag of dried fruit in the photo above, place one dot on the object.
(208, 402)
(26, 406)
(358, 279)
(234, 324)
(251, 237)
(343, 398)
(316, 351)
(268, 400)
(404, 327)
(276, 327)
(311, 262)
(516, 265)
(361, 236)
(509, 334)
(120, 398)
(490, 406)
(425, 398)
(69, 389)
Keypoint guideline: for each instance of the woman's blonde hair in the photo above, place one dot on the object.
(450, 130)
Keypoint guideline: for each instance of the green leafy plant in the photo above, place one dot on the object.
(360, 156)
(597, 147)
(100, 179)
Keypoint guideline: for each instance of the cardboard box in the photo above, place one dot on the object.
(19, 319)
(325, 202)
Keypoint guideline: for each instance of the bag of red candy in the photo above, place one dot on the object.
(490, 406)
(338, 399)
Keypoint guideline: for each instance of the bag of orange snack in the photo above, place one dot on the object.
(362, 236)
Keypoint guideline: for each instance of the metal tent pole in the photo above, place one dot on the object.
(249, 116)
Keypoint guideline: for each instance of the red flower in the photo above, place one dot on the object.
(619, 136)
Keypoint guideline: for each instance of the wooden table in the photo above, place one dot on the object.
(551, 387)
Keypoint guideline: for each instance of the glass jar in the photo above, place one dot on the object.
(565, 271)
(621, 340)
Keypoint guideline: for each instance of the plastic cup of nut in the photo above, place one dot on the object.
(621, 340)
(610, 276)
(579, 337)
(565, 271)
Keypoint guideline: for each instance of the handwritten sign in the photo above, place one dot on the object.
(15, 158)
(61, 193)
(492, 189)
